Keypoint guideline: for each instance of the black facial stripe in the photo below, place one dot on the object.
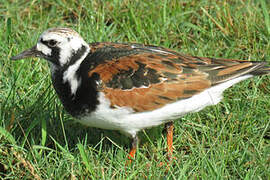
(55, 56)
(75, 56)
(44, 42)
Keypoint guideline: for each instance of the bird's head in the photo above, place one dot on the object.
(60, 46)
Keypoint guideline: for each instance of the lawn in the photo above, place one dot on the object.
(39, 140)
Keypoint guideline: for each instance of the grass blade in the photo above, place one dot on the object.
(266, 15)
(85, 159)
(7, 135)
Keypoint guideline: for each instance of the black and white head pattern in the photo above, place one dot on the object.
(65, 49)
(60, 45)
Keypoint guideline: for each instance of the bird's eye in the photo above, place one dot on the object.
(52, 43)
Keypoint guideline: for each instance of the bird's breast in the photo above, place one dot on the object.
(84, 100)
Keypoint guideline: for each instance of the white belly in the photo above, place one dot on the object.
(129, 122)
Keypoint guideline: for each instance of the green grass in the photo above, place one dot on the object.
(39, 140)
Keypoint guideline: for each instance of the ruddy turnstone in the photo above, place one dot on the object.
(130, 87)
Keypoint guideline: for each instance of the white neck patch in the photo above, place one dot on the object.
(67, 48)
(70, 74)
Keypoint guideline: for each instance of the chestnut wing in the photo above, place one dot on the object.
(145, 78)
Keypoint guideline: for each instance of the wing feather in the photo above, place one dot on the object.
(145, 78)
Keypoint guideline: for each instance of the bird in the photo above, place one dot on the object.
(129, 87)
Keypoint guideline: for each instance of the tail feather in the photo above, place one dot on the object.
(262, 70)
(239, 68)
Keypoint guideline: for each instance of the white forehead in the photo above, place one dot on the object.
(59, 34)
(64, 36)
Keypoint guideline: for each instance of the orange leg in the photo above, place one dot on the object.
(169, 130)
(133, 149)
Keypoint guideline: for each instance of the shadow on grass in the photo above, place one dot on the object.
(62, 128)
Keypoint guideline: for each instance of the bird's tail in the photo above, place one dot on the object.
(262, 70)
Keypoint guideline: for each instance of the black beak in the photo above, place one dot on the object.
(32, 52)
